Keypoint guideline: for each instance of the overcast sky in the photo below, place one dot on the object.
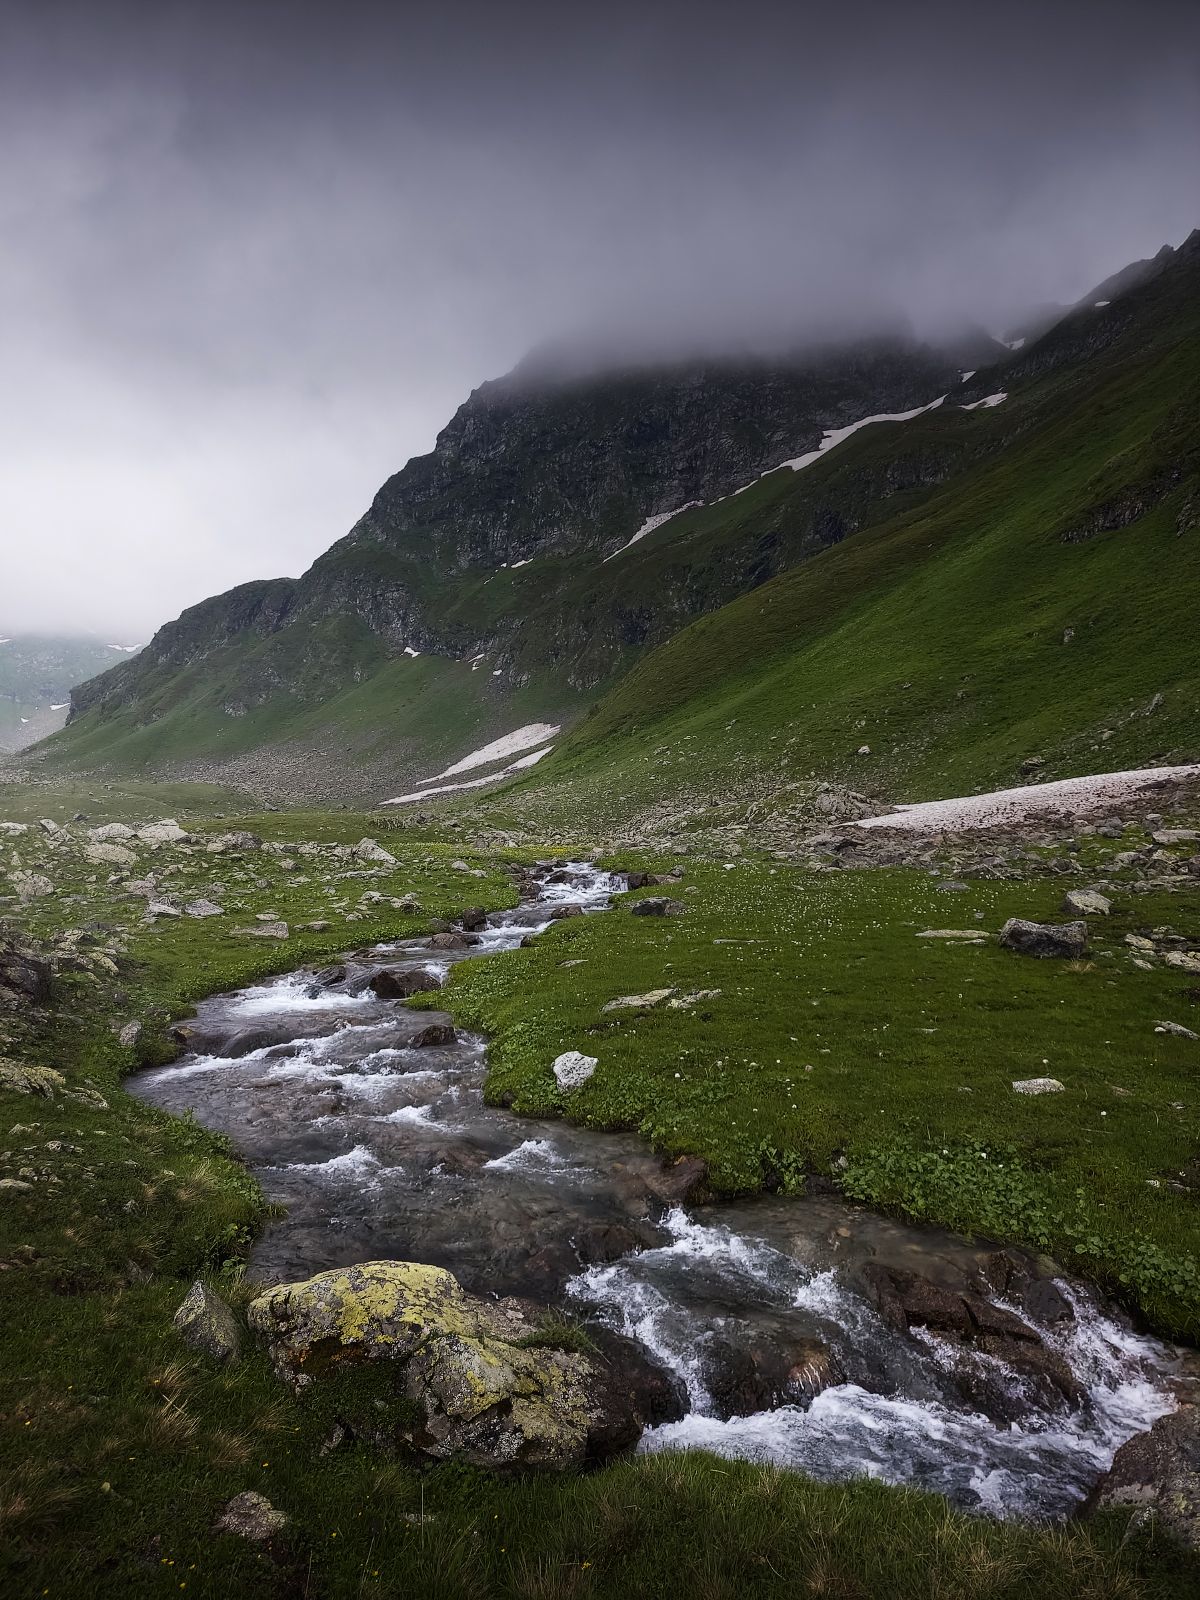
(252, 257)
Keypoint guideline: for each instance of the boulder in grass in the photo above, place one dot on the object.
(1061, 940)
(657, 906)
(1176, 1029)
(206, 1323)
(573, 1068)
(251, 1516)
(1159, 1471)
(1038, 1086)
(1086, 903)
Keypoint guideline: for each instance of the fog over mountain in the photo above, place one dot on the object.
(252, 258)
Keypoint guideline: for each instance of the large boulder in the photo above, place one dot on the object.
(657, 906)
(24, 976)
(1045, 939)
(473, 1381)
(1159, 1471)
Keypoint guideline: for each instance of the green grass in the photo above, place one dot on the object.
(119, 1446)
(838, 1035)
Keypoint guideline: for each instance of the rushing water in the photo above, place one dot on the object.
(380, 1146)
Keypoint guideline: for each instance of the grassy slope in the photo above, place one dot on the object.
(937, 637)
(119, 1446)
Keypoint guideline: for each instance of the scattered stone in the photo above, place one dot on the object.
(1086, 903)
(559, 913)
(396, 983)
(1175, 1028)
(109, 831)
(251, 1515)
(1038, 1086)
(26, 977)
(161, 908)
(1045, 939)
(20, 1079)
(167, 831)
(372, 850)
(1032, 764)
(206, 1323)
(864, 749)
(472, 919)
(573, 1068)
(112, 855)
(452, 941)
(1175, 836)
(30, 885)
(1184, 960)
(203, 908)
(637, 1002)
(952, 886)
(966, 935)
(265, 930)
(129, 1035)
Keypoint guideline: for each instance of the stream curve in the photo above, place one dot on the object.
(777, 1317)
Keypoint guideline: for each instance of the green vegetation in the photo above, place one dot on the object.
(120, 1446)
(835, 1035)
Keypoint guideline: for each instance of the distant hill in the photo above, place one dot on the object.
(37, 674)
(652, 545)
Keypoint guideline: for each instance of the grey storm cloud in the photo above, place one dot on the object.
(253, 256)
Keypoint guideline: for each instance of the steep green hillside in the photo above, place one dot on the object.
(498, 556)
(1041, 602)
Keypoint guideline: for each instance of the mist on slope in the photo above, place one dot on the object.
(253, 260)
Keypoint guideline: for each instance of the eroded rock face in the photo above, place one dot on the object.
(479, 1393)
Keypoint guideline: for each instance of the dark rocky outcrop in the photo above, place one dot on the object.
(1159, 1471)
(397, 983)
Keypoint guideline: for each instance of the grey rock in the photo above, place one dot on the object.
(372, 850)
(1159, 1472)
(203, 908)
(1086, 903)
(1034, 1086)
(1045, 939)
(1177, 1029)
(206, 1323)
(657, 906)
(251, 1516)
(167, 831)
(265, 930)
(573, 1068)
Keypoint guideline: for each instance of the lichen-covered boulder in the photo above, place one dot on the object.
(469, 1384)
(206, 1323)
(20, 1079)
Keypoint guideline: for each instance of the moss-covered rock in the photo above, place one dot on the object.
(466, 1386)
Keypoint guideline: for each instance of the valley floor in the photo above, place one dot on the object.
(838, 1037)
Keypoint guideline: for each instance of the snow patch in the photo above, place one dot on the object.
(988, 401)
(970, 374)
(655, 522)
(1011, 805)
(62, 704)
(509, 745)
(1099, 303)
(409, 651)
(1013, 344)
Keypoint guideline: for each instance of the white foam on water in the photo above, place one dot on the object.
(413, 1116)
(353, 1164)
(292, 994)
(532, 1155)
(1043, 1467)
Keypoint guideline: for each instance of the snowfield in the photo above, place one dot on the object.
(433, 788)
(988, 401)
(1004, 806)
(510, 745)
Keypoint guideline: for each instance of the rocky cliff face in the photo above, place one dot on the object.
(534, 466)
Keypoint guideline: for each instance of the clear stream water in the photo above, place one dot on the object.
(381, 1148)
